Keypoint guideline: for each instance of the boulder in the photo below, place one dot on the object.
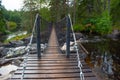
(16, 43)
(114, 35)
(1, 44)
(3, 51)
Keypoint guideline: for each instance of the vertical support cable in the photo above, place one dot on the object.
(38, 37)
(68, 38)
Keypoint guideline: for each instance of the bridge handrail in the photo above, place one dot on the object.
(28, 48)
(76, 47)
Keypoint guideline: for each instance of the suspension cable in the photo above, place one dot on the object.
(28, 48)
(77, 51)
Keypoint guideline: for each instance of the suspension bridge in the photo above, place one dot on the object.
(52, 63)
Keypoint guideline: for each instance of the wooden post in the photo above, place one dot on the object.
(68, 38)
(38, 37)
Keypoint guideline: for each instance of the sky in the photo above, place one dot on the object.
(12, 4)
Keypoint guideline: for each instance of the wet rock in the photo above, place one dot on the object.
(27, 40)
(14, 52)
(16, 43)
(16, 62)
(6, 70)
(33, 47)
(3, 51)
(96, 37)
(114, 35)
(1, 44)
(78, 35)
(83, 55)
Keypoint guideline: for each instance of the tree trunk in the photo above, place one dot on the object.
(104, 4)
(74, 13)
(109, 6)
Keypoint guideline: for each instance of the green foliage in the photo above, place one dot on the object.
(91, 21)
(2, 22)
(89, 24)
(100, 24)
(11, 26)
(103, 25)
(115, 12)
(78, 27)
(58, 9)
(2, 26)
(45, 13)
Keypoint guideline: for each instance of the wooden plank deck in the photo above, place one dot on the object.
(53, 65)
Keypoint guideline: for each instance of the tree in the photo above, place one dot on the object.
(58, 9)
(115, 12)
(30, 8)
(2, 21)
(14, 16)
(94, 15)
(45, 13)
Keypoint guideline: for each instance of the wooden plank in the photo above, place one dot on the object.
(50, 58)
(53, 71)
(50, 61)
(53, 67)
(53, 76)
(53, 61)
(86, 78)
(49, 65)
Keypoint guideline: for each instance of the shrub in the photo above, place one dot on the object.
(11, 26)
(103, 25)
(78, 27)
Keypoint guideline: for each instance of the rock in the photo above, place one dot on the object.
(79, 35)
(13, 52)
(115, 32)
(72, 47)
(114, 35)
(33, 47)
(16, 62)
(96, 37)
(27, 40)
(3, 51)
(6, 70)
(7, 45)
(16, 43)
(1, 44)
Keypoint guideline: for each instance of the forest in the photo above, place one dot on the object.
(89, 16)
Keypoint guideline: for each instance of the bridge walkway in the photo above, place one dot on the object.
(53, 65)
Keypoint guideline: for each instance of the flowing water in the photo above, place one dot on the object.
(104, 58)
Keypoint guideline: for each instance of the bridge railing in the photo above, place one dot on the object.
(42, 29)
(28, 47)
(70, 26)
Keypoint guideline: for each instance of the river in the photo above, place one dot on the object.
(104, 58)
